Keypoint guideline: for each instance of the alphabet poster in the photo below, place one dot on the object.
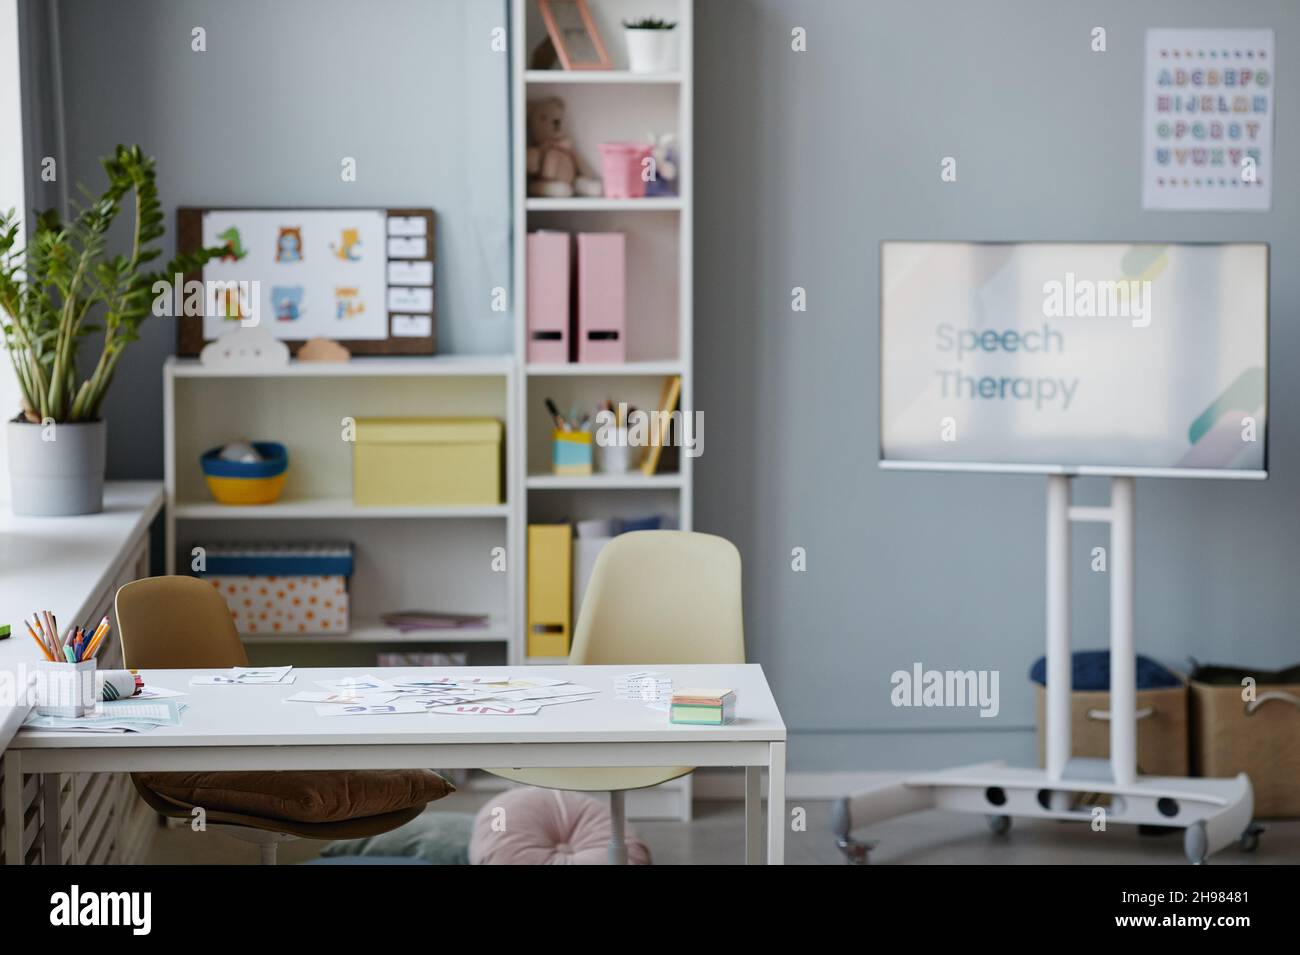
(1208, 115)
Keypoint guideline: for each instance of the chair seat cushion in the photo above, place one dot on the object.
(528, 826)
(311, 797)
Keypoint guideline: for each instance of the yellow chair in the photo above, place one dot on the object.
(655, 597)
(181, 623)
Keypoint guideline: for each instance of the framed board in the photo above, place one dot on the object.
(362, 277)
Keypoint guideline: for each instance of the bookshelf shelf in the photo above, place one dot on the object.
(651, 204)
(327, 509)
(627, 369)
(635, 481)
(599, 78)
(376, 632)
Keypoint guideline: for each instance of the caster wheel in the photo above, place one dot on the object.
(855, 852)
(1248, 841)
(1196, 845)
(1000, 825)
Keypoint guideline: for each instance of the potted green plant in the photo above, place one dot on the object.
(59, 288)
(651, 45)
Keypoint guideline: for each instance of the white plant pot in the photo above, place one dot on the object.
(651, 51)
(56, 471)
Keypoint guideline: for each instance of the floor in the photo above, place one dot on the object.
(927, 838)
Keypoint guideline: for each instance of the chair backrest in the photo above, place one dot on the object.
(662, 597)
(176, 623)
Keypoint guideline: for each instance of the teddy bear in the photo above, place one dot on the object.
(554, 169)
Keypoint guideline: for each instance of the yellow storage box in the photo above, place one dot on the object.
(426, 461)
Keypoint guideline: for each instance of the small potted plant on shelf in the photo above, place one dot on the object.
(651, 45)
(51, 291)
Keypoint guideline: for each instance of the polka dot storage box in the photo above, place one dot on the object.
(289, 589)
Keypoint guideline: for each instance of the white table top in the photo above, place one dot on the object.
(259, 715)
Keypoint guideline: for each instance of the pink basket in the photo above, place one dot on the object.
(621, 169)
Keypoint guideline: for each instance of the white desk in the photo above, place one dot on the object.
(251, 728)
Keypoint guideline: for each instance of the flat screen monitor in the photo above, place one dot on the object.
(1109, 358)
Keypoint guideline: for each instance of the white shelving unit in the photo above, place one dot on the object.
(406, 557)
(606, 106)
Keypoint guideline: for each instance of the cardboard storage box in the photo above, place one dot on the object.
(1260, 739)
(283, 588)
(426, 461)
(1162, 733)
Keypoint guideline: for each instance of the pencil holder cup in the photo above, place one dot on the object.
(616, 458)
(571, 455)
(65, 689)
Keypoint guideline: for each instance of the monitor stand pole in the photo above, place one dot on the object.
(1214, 813)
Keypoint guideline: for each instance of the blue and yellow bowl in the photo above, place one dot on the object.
(239, 482)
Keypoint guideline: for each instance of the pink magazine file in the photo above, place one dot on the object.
(548, 296)
(602, 297)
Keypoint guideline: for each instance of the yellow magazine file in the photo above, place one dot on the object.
(550, 592)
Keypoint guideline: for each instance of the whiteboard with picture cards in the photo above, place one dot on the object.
(362, 277)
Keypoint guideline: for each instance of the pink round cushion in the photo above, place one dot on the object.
(530, 826)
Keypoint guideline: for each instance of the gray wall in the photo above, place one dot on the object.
(806, 161)
(286, 89)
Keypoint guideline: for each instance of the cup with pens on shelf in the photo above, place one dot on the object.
(571, 442)
(65, 678)
(617, 456)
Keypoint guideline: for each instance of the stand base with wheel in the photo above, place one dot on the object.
(1214, 813)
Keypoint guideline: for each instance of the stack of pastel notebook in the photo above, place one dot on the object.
(710, 707)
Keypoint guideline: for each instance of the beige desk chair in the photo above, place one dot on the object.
(655, 597)
(168, 623)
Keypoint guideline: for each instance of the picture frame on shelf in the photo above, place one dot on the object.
(573, 33)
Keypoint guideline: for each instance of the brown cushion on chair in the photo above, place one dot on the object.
(316, 796)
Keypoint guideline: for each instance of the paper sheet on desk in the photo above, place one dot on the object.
(120, 716)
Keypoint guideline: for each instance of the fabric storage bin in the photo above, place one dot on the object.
(1162, 717)
(1162, 733)
(426, 461)
(283, 588)
(1259, 737)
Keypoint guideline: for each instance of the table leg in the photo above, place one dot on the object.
(776, 805)
(13, 797)
(753, 814)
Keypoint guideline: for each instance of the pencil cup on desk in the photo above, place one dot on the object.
(572, 453)
(65, 689)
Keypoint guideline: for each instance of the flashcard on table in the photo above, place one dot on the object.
(546, 692)
(282, 674)
(311, 696)
(488, 709)
(373, 709)
(355, 684)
